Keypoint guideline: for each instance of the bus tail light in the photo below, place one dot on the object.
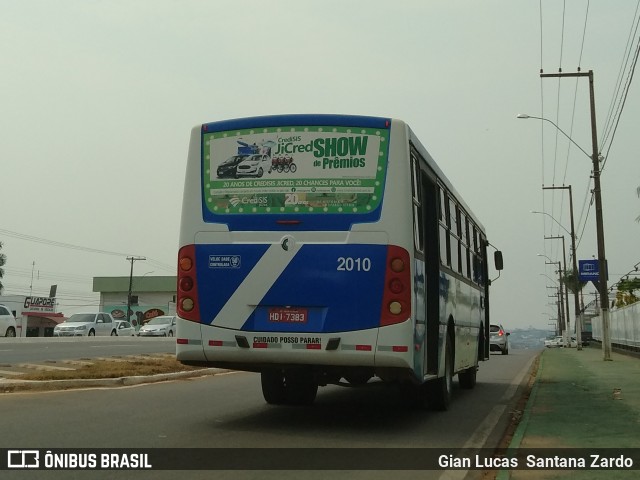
(187, 302)
(396, 299)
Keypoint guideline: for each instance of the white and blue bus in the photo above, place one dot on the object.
(324, 249)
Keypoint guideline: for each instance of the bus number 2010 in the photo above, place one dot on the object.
(349, 264)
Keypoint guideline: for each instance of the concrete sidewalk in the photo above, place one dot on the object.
(581, 401)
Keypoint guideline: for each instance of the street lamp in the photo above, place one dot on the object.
(524, 116)
(576, 301)
(564, 323)
(597, 193)
(566, 289)
(552, 218)
(578, 322)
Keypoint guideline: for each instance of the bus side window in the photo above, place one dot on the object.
(466, 247)
(445, 257)
(418, 228)
(454, 252)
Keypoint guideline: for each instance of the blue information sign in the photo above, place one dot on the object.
(588, 270)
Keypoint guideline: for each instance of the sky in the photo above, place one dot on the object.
(98, 99)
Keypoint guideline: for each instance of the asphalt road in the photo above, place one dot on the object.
(228, 411)
(24, 350)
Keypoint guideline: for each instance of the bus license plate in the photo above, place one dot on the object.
(288, 315)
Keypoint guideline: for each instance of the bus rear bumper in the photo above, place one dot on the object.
(373, 348)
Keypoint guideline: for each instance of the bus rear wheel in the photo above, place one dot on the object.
(467, 378)
(288, 388)
(440, 390)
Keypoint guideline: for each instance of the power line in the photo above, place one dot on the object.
(623, 68)
(32, 238)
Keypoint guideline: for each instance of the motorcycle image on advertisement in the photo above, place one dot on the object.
(283, 164)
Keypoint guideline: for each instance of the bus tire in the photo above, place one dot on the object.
(467, 378)
(288, 388)
(301, 391)
(273, 387)
(440, 389)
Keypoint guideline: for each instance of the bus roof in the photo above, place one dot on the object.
(297, 120)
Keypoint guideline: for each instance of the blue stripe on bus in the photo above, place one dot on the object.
(298, 120)
(336, 300)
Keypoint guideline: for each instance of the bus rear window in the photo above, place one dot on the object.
(295, 170)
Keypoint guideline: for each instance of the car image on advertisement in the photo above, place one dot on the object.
(498, 340)
(86, 325)
(228, 168)
(164, 326)
(254, 166)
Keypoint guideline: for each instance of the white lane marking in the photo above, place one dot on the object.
(115, 345)
(480, 435)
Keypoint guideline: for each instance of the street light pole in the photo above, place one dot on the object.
(131, 259)
(576, 303)
(564, 318)
(566, 290)
(597, 192)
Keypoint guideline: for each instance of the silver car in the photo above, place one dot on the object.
(164, 326)
(86, 325)
(498, 339)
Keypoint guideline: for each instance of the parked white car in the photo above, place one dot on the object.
(558, 341)
(86, 325)
(164, 326)
(7, 322)
(125, 329)
(554, 342)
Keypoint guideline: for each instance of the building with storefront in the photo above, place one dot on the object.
(35, 316)
(150, 296)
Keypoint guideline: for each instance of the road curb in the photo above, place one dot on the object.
(516, 440)
(8, 386)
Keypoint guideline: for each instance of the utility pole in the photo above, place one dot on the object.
(597, 192)
(576, 306)
(131, 259)
(564, 319)
(558, 303)
(566, 290)
(559, 306)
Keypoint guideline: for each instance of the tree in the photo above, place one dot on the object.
(573, 282)
(625, 295)
(3, 260)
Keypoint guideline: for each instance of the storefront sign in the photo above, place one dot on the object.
(39, 304)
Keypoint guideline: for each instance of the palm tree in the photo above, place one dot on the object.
(3, 260)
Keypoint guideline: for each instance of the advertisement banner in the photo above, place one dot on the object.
(294, 170)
